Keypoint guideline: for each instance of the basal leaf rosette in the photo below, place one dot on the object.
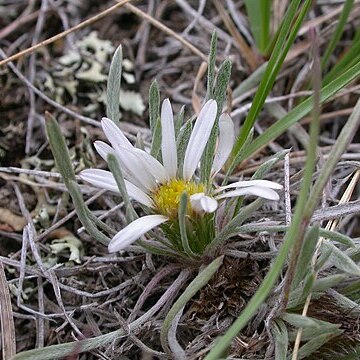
(159, 186)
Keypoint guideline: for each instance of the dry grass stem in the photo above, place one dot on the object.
(64, 33)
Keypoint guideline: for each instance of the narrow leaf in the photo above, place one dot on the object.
(221, 84)
(119, 178)
(281, 339)
(154, 118)
(83, 213)
(259, 13)
(59, 149)
(181, 144)
(211, 66)
(340, 260)
(113, 87)
(182, 224)
(306, 254)
(314, 344)
(179, 120)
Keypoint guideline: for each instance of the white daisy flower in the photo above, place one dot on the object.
(159, 186)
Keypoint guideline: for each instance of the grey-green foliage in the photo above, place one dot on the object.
(63, 162)
(267, 165)
(340, 259)
(154, 119)
(315, 343)
(219, 95)
(281, 339)
(315, 286)
(309, 325)
(211, 66)
(113, 87)
(59, 149)
(303, 266)
(238, 157)
(154, 105)
(119, 178)
(181, 144)
(179, 120)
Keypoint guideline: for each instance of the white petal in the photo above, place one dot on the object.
(263, 192)
(225, 144)
(154, 167)
(202, 203)
(199, 138)
(168, 142)
(103, 149)
(105, 180)
(138, 195)
(248, 183)
(134, 230)
(114, 134)
(137, 172)
(100, 178)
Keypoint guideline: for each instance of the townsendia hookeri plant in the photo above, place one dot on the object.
(171, 193)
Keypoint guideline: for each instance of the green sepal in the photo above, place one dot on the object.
(182, 224)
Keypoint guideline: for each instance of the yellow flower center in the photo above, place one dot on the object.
(167, 196)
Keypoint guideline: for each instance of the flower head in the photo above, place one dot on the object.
(158, 186)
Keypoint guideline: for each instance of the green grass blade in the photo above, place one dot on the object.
(350, 59)
(259, 13)
(338, 32)
(300, 111)
(344, 138)
(301, 321)
(282, 46)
